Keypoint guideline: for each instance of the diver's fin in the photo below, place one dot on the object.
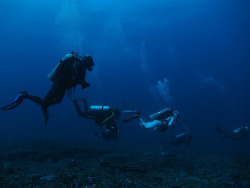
(46, 116)
(131, 118)
(16, 102)
(218, 130)
(131, 111)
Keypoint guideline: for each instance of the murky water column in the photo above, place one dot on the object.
(142, 57)
(163, 90)
(68, 22)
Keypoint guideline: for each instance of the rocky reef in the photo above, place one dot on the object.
(56, 164)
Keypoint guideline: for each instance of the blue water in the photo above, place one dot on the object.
(201, 47)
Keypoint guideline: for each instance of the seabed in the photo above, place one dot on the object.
(58, 164)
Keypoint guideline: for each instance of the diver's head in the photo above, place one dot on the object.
(177, 115)
(89, 63)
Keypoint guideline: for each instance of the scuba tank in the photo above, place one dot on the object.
(181, 135)
(53, 75)
(238, 130)
(100, 109)
(163, 114)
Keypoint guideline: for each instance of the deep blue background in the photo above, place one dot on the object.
(201, 47)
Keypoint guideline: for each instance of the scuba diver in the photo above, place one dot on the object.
(180, 139)
(68, 73)
(236, 135)
(103, 116)
(161, 121)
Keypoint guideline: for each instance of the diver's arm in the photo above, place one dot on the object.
(83, 82)
(81, 77)
(79, 111)
(85, 105)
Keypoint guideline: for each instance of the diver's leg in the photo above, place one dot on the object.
(54, 96)
(35, 99)
(59, 96)
(56, 93)
(229, 136)
(46, 103)
(149, 125)
(233, 137)
(50, 96)
(218, 130)
(49, 100)
(136, 116)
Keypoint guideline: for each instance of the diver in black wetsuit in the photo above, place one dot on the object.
(236, 135)
(103, 116)
(70, 72)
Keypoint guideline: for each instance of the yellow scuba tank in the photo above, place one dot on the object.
(163, 114)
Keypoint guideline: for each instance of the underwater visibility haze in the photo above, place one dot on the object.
(189, 55)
